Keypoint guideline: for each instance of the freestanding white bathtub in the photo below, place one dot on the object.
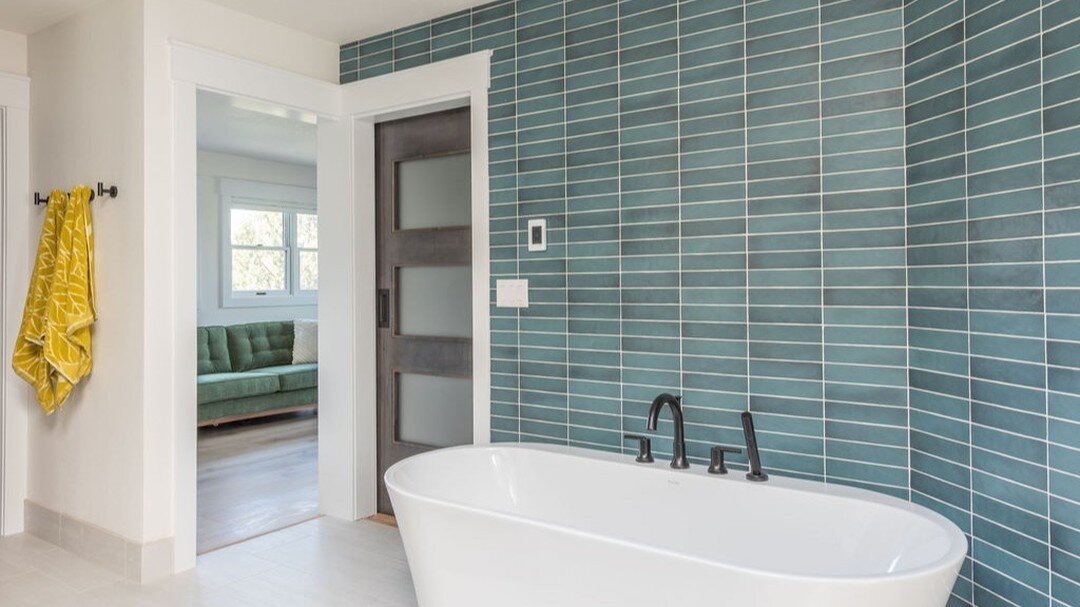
(533, 525)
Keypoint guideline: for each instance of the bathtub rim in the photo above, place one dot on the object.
(952, 560)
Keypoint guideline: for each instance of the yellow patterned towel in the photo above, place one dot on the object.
(29, 357)
(70, 310)
(52, 351)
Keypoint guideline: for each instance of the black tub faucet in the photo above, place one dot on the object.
(755, 473)
(678, 459)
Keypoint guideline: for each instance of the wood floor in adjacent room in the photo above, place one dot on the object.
(256, 477)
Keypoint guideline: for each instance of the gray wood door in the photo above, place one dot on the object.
(424, 282)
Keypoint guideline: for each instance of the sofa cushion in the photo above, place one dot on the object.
(213, 351)
(295, 377)
(225, 386)
(260, 344)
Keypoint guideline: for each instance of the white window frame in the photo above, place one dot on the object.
(254, 195)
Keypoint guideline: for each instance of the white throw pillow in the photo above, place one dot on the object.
(305, 347)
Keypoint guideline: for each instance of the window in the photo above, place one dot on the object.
(270, 237)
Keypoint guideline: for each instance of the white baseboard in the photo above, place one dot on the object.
(137, 562)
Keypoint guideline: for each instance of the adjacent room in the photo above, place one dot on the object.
(258, 286)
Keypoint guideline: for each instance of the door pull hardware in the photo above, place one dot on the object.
(384, 309)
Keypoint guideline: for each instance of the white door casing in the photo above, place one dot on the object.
(458, 82)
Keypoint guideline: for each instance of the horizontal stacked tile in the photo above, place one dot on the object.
(939, 394)
(1061, 230)
(677, 157)
(865, 321)
(592, 223)
(1006, 459)
(712, 182)
(650, 244)
(541, 181)
(784, 237)
(492, 28)
(1005, 290)
(728, 184)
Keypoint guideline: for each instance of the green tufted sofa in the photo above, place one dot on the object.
(246, 371)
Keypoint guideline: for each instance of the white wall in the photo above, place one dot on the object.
(213, 167)
(87, 125)
(12, 53)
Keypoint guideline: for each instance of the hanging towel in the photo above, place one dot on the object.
(70, 309)
(29, 357)
(53, 351)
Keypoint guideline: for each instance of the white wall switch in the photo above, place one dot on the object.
(537, 234)
(512, 293)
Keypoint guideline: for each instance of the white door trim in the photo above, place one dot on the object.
(15, 259)
(215, 71)
(193, 68)
(458, 82)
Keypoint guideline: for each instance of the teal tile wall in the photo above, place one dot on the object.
(993, 101)
(858, 218)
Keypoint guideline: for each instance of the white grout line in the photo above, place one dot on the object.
(821, 246)
(1045, 335)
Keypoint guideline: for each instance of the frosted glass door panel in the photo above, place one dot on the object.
(434, 411)
(434, 192)
(435, 301)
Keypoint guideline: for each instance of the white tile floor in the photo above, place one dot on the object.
(319, 563)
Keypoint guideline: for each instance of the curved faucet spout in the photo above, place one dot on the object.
(678, 458)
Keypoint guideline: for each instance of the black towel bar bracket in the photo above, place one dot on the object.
(102, 191)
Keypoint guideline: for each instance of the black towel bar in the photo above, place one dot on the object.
(110, 191)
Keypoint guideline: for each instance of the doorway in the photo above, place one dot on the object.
(257, 364)
(424, 279)
(347, 117)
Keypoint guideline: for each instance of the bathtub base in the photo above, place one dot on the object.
(460, 558)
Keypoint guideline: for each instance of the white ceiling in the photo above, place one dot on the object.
(335, 20)
(255, 129)
(28, 16)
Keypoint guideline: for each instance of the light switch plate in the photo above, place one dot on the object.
(537, 235)
(512, 293)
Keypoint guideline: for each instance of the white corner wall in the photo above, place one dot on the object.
(12, 53)
(87, 125)
(213, 167)
(101, 109)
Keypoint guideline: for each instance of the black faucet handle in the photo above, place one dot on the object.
(716, 460)
(644, 447)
